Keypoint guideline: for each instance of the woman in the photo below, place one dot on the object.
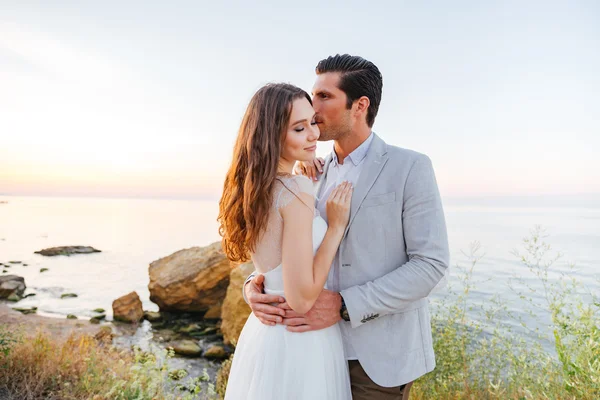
(267, 214)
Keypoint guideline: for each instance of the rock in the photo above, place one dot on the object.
(66, 295)
(191, 280)
(13, 297)
(191, 328)
(165, 335)
(215, 353)
(71, 316)
(188, 348)
(210, 338)
(104, 335)
(99, 310)
(29, 295)
(152, 316)
(11, 285)
(31, 310)
(128, 308)
(14, 262)
(210, 330)
(235, 311)
(25, 265)
(214, 312)
(4, 271)
(96, 319)
(43, 269)
(67, 250)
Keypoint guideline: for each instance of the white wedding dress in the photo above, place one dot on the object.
(271, 362)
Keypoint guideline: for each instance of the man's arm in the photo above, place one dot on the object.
(427, 247)
(262, 305)
(248, 279)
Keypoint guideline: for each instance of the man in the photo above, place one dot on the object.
(395, 248)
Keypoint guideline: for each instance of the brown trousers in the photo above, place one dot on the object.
(363, 388)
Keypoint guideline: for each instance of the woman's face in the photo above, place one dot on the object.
(302, 133)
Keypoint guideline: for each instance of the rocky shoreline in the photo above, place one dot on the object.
(198, 292)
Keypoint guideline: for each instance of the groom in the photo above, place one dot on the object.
(395, 248)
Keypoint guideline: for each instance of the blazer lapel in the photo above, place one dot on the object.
(374, 162)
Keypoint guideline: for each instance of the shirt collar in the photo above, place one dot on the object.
(358, 154)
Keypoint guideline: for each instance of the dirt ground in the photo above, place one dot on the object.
(57, 327)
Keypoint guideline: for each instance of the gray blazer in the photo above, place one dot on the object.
(394, 252)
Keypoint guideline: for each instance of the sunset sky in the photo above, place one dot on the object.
(112, 98)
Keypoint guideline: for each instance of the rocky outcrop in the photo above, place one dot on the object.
(189, 348)
(190, 280)
(215, 352)
(12, 287)
(128, 308)
(214, 312)
(67, 251)
(235, 311)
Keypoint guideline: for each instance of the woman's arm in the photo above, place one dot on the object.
(304, 275)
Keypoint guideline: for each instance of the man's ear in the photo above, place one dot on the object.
(362, 106)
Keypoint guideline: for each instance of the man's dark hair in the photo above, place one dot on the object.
(359, 77)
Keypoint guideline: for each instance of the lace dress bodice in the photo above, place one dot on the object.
(267, 255)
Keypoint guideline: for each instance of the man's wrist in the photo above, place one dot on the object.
(343, 310)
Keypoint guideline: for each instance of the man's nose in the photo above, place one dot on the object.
(316, 104)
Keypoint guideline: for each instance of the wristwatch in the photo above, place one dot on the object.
(344, 311)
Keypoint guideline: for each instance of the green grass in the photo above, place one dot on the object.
(41, 367)
(480, 356)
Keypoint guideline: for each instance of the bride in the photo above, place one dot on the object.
(267, 214)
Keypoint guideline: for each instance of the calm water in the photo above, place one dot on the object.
(134, 232)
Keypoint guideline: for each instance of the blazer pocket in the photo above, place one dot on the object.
(379, 199)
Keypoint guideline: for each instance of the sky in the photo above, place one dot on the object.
(144, 98)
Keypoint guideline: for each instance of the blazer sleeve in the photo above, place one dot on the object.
(426, 241)
(248, 279)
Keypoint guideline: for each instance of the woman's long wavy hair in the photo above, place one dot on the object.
(247, 192)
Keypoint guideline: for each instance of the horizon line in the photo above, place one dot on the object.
(216, 198)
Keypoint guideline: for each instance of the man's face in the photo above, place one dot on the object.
(329, 102)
